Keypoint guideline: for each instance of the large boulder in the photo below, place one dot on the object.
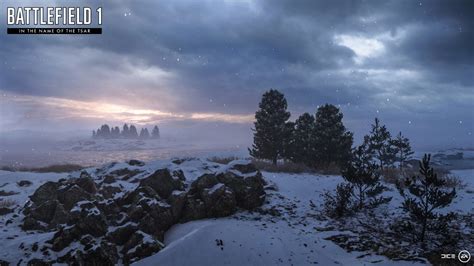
(203, 182)
(122, 234)
(194, 209)
(112, 219)
(177, 200)
(219, 201)
(249, 191)
(47, 191)
(140, 245)
(50, 212)
(163, 183)
(72, 194)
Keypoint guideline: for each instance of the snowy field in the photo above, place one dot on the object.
(294, 236)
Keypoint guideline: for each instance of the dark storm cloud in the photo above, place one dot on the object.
(394, 59)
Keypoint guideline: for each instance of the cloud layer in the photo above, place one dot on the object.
(409, 63)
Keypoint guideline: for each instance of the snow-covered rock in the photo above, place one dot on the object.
(119, 213)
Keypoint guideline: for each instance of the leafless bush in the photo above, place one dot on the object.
(453, 181)
(6, 203)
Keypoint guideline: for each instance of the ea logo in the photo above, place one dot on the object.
(464, 256)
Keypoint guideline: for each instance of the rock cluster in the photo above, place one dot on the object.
(122, 215)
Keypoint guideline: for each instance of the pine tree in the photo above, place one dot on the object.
(271, 128)
(365, 179)
(332, 140)
(380, 144)
(288, 145)
(94, 134)
(402, 149)
(133, 132)
(125, 131)
(155, 133)
(303, 142)
(427, 193)
(105, 131)
(144, 134)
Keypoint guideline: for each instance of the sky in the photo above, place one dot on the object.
(205, 64)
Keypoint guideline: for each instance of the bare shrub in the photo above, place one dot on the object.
(7, 203)
(453, 181)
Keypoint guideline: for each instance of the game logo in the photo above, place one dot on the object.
(54, 20)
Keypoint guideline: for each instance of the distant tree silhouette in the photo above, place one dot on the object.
(333, 142)
(125, 131)
(402, 149)
(133, 132)
(270, 127)
(115, 132)
(155, 133)
(144, 134)
(104, 131)
(94, 134)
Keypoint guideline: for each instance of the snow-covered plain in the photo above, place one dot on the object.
(295, 237)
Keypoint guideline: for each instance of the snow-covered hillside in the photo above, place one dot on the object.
(289, 229)
(297, 237)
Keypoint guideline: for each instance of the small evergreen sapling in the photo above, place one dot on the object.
(402, 149)
(339, 204)
(365, 179)
(426, 194)
(380, 144)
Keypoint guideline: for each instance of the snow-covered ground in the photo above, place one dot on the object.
(294, 237)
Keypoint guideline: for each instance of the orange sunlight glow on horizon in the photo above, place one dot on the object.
(109, 111)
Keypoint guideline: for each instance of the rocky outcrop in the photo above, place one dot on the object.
(122, 214)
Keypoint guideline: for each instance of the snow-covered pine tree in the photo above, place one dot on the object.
(332, 140)
(362, 174)
(133, 133)
(402, 149)
(125, 131)
(303, 143)
(426, 194)
(270, 127)
(155, 133)
(380, 144)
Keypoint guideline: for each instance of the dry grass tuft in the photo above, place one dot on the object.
(282, 167)
(222, 160)
(55, 168)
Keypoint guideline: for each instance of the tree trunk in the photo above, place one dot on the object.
(274, 160)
